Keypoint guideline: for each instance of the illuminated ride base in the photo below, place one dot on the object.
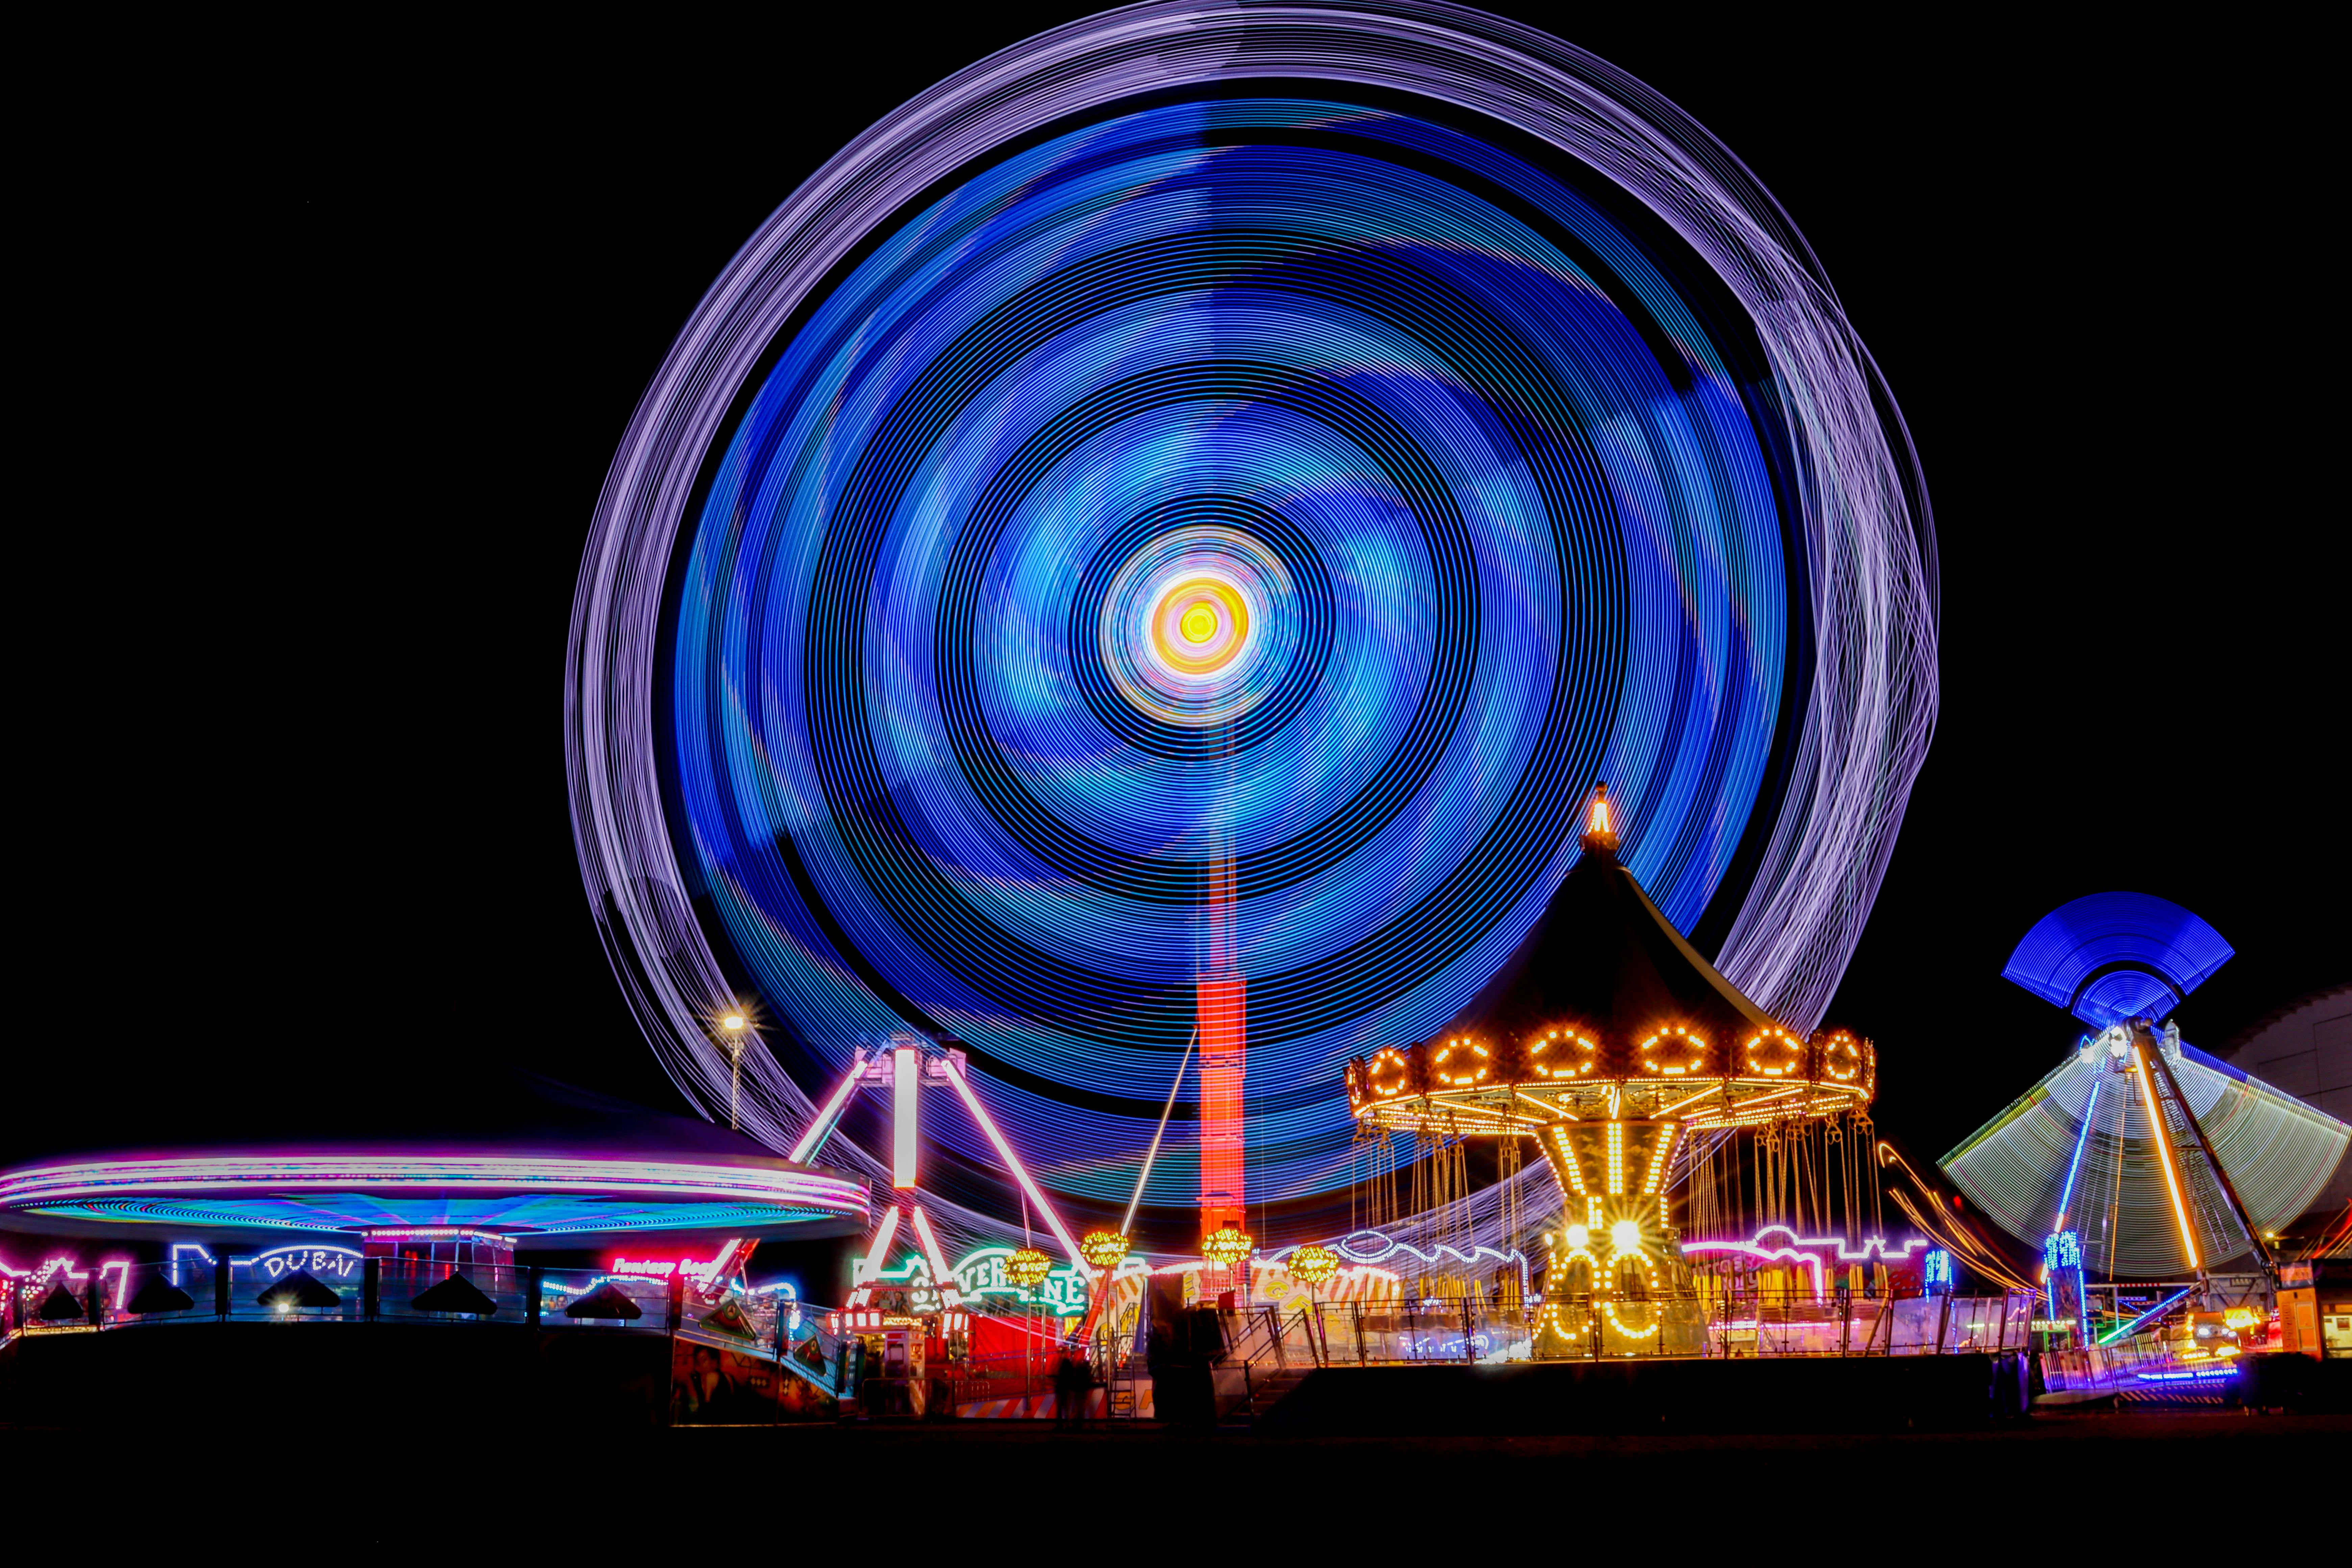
(433, 1230)
(1611, 1043)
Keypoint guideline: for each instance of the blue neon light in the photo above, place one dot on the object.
(1937, 1270)
(2112, 956)
(1473, 456)
(2066, 1197)
(2112, 1335)
(2202, 1372)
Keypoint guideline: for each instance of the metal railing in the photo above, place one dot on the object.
(1469, 1330)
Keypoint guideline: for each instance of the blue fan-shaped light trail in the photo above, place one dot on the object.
(1465, 534)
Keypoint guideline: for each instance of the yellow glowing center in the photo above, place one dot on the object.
(1200, 626)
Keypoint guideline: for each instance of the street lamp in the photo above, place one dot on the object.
(1027, 1268)
(1229, 1245)
(1310, 1266)
(735, 1030)
(1103, 1251)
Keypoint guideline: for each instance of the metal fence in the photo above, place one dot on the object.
(1469, 1330)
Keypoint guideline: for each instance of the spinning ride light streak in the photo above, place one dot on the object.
(520, 1193)
(1183, 510)
(2160, 1158)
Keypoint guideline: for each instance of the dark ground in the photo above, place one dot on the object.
(1035, 1494)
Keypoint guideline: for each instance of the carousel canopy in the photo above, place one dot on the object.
(1604, 958)
(1606, 999)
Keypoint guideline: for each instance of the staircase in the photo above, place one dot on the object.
(1267, 1387)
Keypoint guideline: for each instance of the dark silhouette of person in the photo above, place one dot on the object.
(1072, 1380)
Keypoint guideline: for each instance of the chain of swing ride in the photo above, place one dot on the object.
(1817, 1175)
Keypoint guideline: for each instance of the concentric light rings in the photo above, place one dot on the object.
(1177, 627)
(1866, 692)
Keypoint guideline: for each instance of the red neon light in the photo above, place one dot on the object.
(1223, 1014)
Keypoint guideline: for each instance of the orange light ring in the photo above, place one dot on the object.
(1694, 1055)
(1388, 1056)
(1841, 1046)
(1791, 1048)
(1461, 1080)
(1576, 1066)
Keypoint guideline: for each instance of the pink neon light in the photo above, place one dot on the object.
(280, 1172)
(693, 1268)
(942, 1277)
(905, 1090)
(1756, 1248)
(832, 1111)
(879, 1253)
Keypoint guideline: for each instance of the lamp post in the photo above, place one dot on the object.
(1310, 1266)
(1228, 1246)
(735, 1033)
(1027, 1268)
(1103, 1251)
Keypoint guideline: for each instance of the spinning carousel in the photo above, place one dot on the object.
(1614, 1046)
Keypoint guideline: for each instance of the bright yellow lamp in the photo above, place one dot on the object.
(1311, 1265)
(1103, 1248)
(1228, 1246)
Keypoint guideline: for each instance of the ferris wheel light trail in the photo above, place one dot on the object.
(1340, 432)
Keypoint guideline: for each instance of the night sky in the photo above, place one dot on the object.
(327, 369)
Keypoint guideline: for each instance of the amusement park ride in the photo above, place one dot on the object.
(1648, 1080)
(1613, 1044)
(2140, 1166)
(885, 1317)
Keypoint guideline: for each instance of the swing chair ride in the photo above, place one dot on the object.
(1628, 1058)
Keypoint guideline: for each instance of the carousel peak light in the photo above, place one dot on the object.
(1600, 836)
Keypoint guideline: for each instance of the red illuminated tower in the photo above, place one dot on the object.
(1224, 1038)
